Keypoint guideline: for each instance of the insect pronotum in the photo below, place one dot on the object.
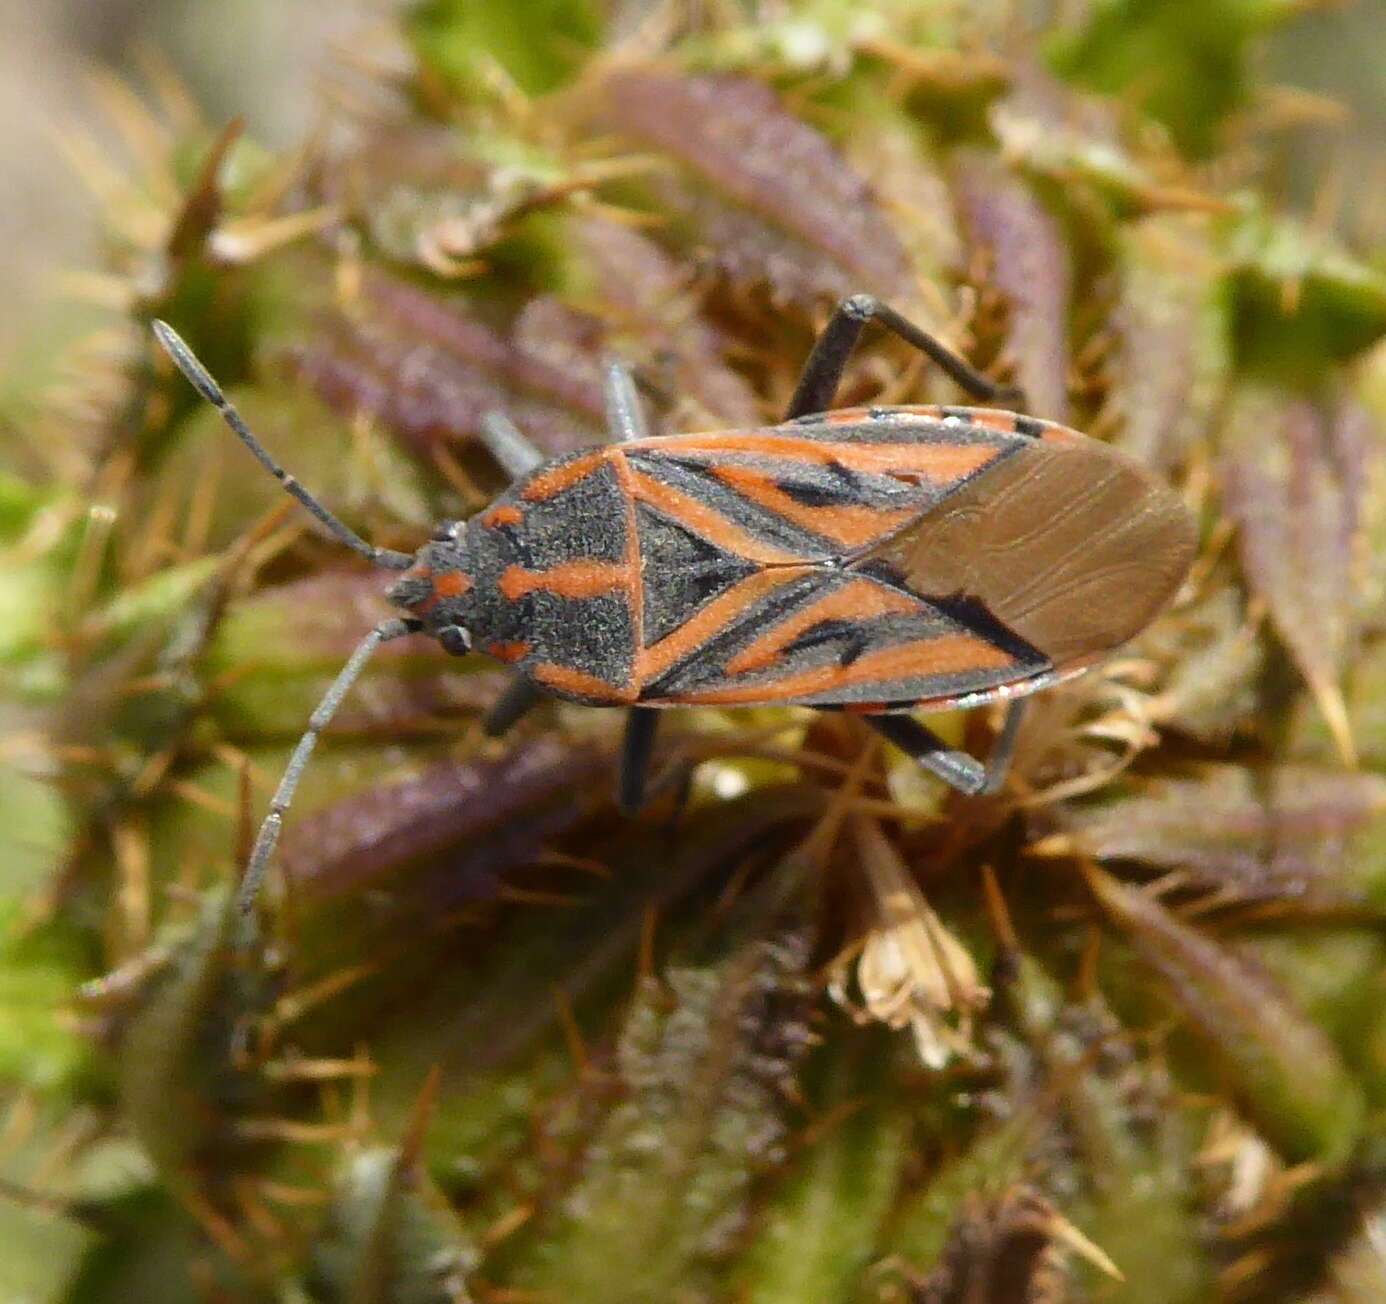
(876, 560)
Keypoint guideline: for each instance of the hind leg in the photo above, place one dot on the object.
(956, 768)
(823, 371)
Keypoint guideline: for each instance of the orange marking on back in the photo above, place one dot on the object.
(504, 514)
(851, 526)
(703, 520)
(567, 680)
(572, 579)
(508, 651)
(862, 599)
(653, 661)
(948, 654)
(451, 584)
(937, 462)
(551, 483)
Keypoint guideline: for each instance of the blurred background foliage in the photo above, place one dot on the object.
(829, 1034)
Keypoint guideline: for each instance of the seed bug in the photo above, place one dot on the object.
(876, 560)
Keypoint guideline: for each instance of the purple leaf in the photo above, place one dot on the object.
(429, 372)
(772, 199)
(650, 297)
(482, 817)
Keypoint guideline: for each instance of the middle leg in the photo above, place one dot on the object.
(625, 419)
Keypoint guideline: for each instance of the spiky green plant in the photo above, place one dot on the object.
(831, 1034)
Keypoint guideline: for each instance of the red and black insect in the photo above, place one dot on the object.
(876, 560)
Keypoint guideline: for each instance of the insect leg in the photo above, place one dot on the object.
(503, 440)
(636, 750)
(634, 790)
(268, 836)
(516, 457)
(956, 768)
(823, 370)
(625, 417)
(519, 698)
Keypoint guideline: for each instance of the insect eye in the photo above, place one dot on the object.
(446, 532)
(455, 640)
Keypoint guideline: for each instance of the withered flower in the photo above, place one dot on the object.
(911, 972)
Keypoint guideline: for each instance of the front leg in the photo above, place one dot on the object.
(505, 442)
(823, 371)
(625, 415)
(625, 420)
(520, 697)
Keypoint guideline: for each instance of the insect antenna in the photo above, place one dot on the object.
(201, 380)
(268, 835)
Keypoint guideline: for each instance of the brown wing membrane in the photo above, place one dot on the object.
(1067, 544)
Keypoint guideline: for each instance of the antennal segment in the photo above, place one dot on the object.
(283, 797)
(200, 379)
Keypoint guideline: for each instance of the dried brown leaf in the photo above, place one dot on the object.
(203, 204)
(1002, 1251)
